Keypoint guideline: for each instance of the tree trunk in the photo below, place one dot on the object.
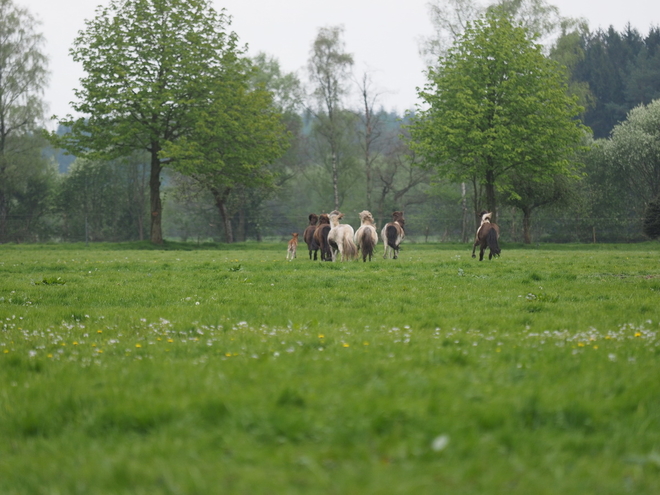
(3, 217)
(242, 228)
(527, 225)
(154, 190)
(465, 236)
(335, 179)
(221, 203)
(491, 201)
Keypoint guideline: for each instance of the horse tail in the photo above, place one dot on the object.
(493, 245)
(350, 249)
(326, 253)
(367, 246)
(392, 235)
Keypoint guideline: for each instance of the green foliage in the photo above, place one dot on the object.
(621, 72)
(652, 219)
(151, 66)
(103, 200)
(635, 148)
(162, 371)
(24, 175)
(497, 107)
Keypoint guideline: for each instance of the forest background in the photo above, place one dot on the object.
(347, 151)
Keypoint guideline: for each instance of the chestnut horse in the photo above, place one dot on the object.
(486, 237)
(392, 234)
(321, 237)
(308, 236)
(366, 236)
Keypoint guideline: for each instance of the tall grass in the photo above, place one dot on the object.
(128, 369)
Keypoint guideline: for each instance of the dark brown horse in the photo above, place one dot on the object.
(487, 235)
(321, 237)
(392, 234)
(308, 236)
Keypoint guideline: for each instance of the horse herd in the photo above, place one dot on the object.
(338, 241)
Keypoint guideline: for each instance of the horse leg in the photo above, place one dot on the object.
(474, 247)
(481, 252)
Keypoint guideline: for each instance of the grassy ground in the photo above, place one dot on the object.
(216, 369)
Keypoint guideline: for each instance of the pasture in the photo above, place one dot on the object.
(128, 369)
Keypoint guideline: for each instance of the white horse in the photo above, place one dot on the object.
(392, 234)
(340, 238)
(366, 237)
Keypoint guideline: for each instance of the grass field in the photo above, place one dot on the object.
(126, 369)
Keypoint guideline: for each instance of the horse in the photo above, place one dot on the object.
(487, 235)
(392, 235)
(340, 238)
(366, 237)
(308, 236)
(321, 237)
(292, 247)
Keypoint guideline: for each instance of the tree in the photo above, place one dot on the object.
(532, 195)
(397, 180)
(635, 148)
(102, 200)
(450, 18)
(235, 137)
(497, 107)
(369, 132)
(329, 67)
(150, 65)
(23, 75)
(652, 219)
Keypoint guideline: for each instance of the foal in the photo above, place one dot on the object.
(392, 234)
(366, 236)
(293, 246)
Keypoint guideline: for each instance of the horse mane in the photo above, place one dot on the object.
(313, 218)
(397, 217)
(324, 218)
(366, 218)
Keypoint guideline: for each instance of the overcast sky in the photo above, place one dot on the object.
(382, 35)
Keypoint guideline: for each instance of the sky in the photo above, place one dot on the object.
(382, 35)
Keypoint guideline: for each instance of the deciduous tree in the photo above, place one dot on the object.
(150, 66)
(635, 149)
(23, 75)
(494, 107)
(235, 138)
(329, 67)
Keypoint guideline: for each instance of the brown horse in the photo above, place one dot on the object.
(308, 235)
(321, 237)
(486, 237)
(366, 237)
(392, 234)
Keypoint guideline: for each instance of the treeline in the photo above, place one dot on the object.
(255, 162)
(621, 70)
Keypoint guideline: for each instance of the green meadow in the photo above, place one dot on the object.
(129, 369)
